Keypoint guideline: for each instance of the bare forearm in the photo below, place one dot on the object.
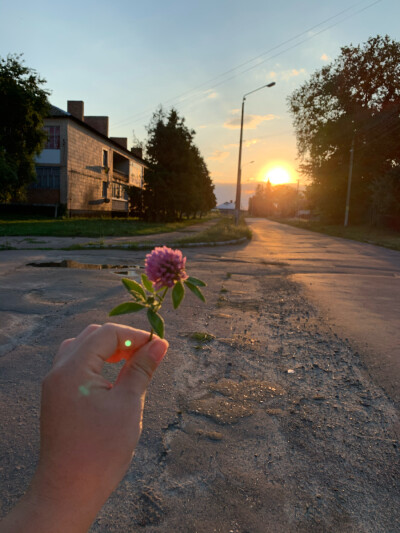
(39, 511)
(87, 439)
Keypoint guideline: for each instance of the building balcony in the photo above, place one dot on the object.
(117, 174)
(119, 205)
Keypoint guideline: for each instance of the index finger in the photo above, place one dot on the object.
(110, 342)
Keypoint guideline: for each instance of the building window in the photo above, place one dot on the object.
(119, 191)
(105, 189)
(105, 158)
(53, 137)
(47, 178)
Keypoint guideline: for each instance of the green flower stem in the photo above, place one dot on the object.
(156, 308)
(163, 296)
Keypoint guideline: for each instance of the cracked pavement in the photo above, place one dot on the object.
(276, 422)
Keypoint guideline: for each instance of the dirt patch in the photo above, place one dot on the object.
(241, 400)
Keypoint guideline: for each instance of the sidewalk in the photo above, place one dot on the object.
(38, 242)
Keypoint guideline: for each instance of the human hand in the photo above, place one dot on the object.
(89, 427)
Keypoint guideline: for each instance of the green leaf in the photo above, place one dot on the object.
(178, 292)
(156, 322)
(133, 286)
(196, 281)
(147, 283)
(127, 307)
(195, 290)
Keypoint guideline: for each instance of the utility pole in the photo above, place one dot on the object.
(346, 214)
(239, 174)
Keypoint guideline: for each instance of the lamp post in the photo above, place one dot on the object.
(239, 173)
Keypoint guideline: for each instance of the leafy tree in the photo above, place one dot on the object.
(385, 196)
(281, 200)
(356, 97)
(286, 200)
(177, 183)
(23, 105)
(262, 203)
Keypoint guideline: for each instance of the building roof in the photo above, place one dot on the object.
(56, 112)
(226, 205)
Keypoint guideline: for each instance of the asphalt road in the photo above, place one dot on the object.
(356, 285)
(275, 425)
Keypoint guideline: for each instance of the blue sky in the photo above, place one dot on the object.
(127, 57)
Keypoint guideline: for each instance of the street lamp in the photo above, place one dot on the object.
(239, 174)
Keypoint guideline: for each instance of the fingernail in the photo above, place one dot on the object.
(157, 350)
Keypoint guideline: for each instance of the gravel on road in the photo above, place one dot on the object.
(261, 419)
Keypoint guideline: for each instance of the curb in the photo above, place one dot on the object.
(220, 243)
(141, 246)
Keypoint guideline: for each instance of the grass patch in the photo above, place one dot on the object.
(202, 336)
(362, 233)
(130, 246)
(88, 227)
(223, 230)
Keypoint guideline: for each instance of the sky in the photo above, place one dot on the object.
(125, 58)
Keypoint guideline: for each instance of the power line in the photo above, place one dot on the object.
(211, 80)
(289, 48)
(188, 93)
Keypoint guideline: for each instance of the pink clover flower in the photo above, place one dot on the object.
(164, 267)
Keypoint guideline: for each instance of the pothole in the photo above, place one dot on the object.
(121, 270)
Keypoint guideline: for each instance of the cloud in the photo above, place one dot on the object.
(324, 57)
(215, 174)
(287, 74)
(250, 142)
(250, 122)
(212, 95)
(217, 155)
(231, 145)
(246, 143)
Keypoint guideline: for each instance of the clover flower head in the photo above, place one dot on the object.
(164, 267)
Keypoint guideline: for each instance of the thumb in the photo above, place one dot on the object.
(136, 374)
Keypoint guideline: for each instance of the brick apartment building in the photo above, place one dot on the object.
(81, 167)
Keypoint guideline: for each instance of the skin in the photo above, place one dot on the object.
(89, 428)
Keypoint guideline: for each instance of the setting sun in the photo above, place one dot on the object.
(277, 176)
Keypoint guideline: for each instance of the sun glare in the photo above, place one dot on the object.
(277, 176)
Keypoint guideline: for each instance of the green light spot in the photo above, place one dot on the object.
(128, 343)
(84, 390)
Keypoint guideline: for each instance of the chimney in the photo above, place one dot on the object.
(75, 108)
(98, 123)
(122, 141)
(136, 150)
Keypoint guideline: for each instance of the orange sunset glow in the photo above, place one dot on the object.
(278, 174)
